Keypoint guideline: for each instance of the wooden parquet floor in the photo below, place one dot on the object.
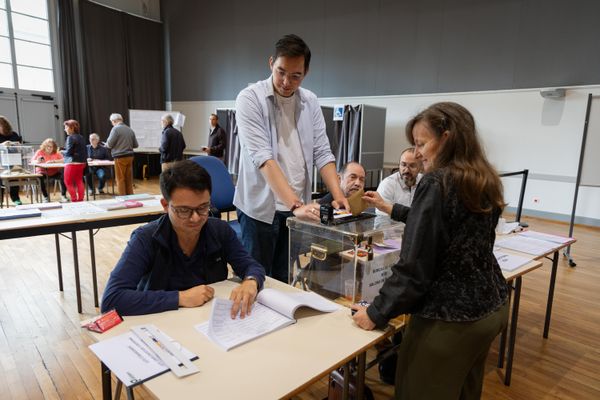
(44, 354)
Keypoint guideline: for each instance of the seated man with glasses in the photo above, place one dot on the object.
(169, 263)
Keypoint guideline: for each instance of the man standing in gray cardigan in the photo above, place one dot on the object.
(121, 142)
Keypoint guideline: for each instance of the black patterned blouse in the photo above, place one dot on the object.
(447, 270)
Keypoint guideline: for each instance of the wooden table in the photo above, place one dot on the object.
(278, 365)
(93, 163)
(35, 226)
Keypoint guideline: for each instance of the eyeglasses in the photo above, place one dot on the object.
(187, 212)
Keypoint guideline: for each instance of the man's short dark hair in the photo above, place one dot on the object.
(345, 167)
(184, 174)
(292, 46)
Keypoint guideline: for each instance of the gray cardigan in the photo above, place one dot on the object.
(121, 141)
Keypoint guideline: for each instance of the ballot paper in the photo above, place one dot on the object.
(510, 262)
(527, 245)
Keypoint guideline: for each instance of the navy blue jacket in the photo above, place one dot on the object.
(172, 145)
(75, 150)
(153, 269)
(98, 153)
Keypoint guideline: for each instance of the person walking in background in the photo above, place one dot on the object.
(217, 139)
(8, 136)
(95, 151)
(121, 141)
(48, 153)
(75, 160)
(172, 143)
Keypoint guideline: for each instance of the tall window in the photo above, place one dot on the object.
(25, 51)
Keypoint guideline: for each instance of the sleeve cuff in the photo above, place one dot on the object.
(375, 316)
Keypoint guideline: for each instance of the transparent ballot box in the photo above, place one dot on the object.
(347, 262)
(16, 160)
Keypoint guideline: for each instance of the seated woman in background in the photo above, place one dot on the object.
(7, 137)
(48, 153)
(95, 151)
(75, 160)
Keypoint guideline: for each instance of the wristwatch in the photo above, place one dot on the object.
(296, 204)
(253, 278)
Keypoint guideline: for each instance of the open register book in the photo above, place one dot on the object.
(273, 310)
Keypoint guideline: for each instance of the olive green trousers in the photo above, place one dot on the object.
(440, 360)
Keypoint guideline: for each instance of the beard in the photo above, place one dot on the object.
(409, 180)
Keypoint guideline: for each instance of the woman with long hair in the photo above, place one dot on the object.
(447, 277)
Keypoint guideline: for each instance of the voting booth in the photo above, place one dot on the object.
(344, 261)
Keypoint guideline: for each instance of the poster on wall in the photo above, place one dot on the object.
(338, 112)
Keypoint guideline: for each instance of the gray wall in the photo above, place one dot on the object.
(384, 47)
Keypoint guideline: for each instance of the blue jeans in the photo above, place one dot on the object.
(268, 243)
(100, 174)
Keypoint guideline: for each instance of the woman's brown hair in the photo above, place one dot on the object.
(461, 153)
(6, 128)
(71, 123)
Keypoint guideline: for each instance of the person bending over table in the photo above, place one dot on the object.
(48, 153)
(95, 151)
(447, 276)
(169, 263)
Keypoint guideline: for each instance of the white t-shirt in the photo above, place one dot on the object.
(393, 190)
(289, 156)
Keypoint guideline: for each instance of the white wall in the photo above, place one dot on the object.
(519, 129)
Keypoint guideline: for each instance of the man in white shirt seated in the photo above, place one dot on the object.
(395, 193)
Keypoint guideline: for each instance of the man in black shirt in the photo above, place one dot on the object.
(217, 139)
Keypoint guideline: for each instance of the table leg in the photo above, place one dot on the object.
(58, 261)
(93, 256)
(76, 266)
(360, 376)
(551, 294)
(130, 393)
(106, 389)
(513, 331)
(346, 386)
(502, 348)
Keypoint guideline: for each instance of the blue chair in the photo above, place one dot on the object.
(222, 187)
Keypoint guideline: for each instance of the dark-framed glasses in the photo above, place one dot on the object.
(184, 212)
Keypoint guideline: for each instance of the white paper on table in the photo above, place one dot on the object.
(510, 262)
(82, 207)
(131, 360)
(527, 245)
(546, 236)
(229, 333)
(273, 310)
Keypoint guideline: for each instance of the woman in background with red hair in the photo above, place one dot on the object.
(75, 160)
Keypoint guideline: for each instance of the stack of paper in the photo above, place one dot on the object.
(510, 262)
(39, 206)
(527, 245)
(10, 213)
(139, 196)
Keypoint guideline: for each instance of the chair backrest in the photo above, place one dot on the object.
(222, 184)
